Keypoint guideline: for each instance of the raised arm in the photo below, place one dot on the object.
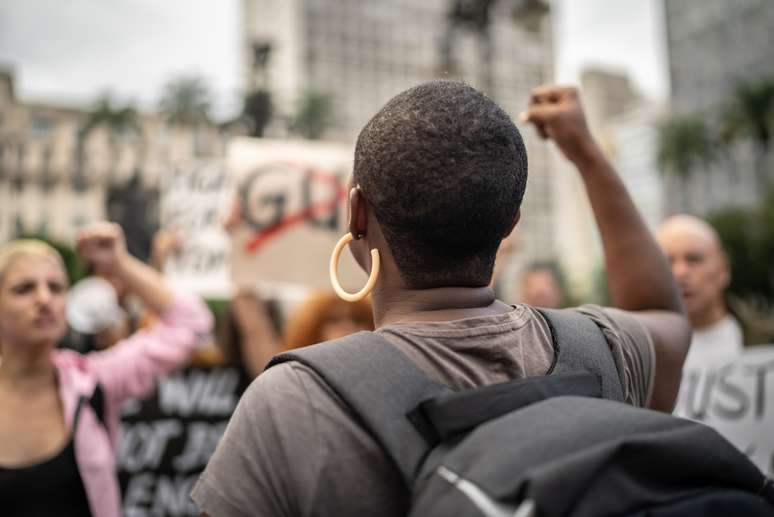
(259, 341)
(131, 367)
(103, 245)
(638, 275)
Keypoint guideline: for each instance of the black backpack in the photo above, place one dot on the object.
(563, 444)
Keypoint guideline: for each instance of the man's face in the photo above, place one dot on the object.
(699, 267)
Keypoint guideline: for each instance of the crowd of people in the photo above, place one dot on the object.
(438, 181)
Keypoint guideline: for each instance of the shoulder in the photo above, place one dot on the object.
(617, 325)
(631, 345)
(285, 393)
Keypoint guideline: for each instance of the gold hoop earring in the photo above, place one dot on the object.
(334, 271)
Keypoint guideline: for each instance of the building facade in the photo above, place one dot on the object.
(713, 45)
(360, 53)
(56, 176)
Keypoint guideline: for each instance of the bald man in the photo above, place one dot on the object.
(701, 269)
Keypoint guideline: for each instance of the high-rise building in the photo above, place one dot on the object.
(713, 45)
(360, 53)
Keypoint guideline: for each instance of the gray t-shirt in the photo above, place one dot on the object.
(293, 448)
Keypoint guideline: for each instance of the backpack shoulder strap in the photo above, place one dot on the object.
(580, 345)
(380, 385)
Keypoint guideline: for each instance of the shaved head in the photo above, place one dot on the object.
(683, 225)
(699, 265)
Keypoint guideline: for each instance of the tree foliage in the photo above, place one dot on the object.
(684, 144)
(314, 115)
(186, 101)
(115, 118)
(748, 238)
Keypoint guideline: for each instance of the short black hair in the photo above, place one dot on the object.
(444, 169)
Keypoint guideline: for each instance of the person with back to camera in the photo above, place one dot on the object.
(439, 176)
(60, 409)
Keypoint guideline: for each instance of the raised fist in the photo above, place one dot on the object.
(103, 246)
(557, 114)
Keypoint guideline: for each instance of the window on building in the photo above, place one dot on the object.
(41, 126)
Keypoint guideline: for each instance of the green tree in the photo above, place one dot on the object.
(186, 101)
(748, 238)
(750, 114)
(118, 120)
(685, 144)
(314, 115)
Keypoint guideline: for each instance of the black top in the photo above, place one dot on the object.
(52, 487)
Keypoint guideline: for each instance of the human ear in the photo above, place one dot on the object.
(358, 218)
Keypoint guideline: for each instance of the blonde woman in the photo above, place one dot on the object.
(60, 409)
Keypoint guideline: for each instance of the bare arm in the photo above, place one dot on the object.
(639, 277)
(259, 341)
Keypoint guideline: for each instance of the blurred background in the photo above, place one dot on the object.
(172, 116)
(99, 101)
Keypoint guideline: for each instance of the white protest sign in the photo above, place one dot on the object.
(737, 399)
(293, 200)
(194, 199)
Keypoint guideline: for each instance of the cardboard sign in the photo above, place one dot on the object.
(168, 438)
(737, 399)
(194, 199)
(293, 200)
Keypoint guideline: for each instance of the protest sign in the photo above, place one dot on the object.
(293, 201)
(737, 399)
(194, 199)
(168, 438)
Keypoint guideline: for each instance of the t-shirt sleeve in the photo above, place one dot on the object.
(632, 349)
(263, 462)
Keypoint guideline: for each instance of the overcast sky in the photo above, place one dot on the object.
(71, 50)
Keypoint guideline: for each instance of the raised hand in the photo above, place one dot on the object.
(557, 113)
(103, 246)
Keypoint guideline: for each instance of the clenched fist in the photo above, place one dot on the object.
(103, 246)
(557, 114)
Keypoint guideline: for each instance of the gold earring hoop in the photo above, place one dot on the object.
(334, 271)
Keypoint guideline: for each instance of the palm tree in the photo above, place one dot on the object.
(186, 101)
(118, 121)
(314, 115)
(683, 145)
(751, 114)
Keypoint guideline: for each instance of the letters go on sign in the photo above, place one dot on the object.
(293, 200)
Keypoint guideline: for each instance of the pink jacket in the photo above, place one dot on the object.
(128, 369)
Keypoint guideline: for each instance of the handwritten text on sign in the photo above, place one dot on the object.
(737, 399)
(193, 201)
(168, 439)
